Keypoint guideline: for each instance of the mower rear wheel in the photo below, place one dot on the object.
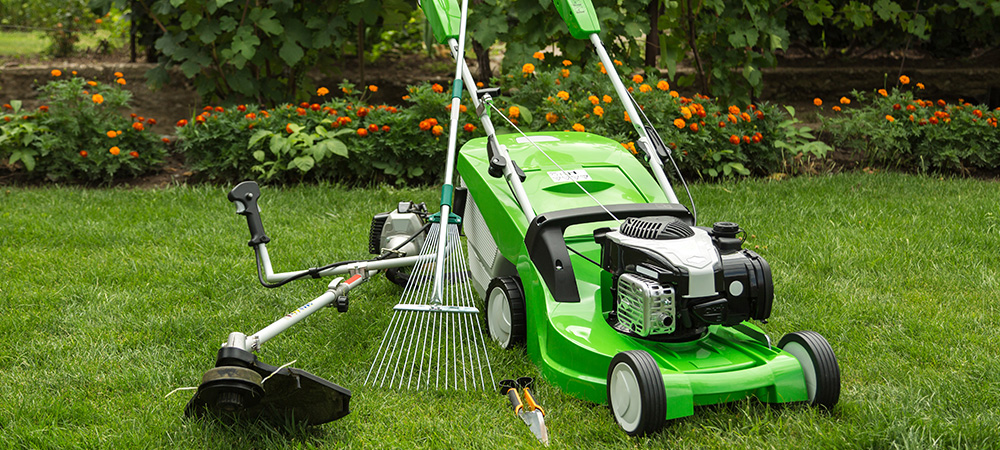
(819, 366)
(504, 305)
(636, 393)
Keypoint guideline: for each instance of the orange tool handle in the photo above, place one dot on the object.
(532, 405)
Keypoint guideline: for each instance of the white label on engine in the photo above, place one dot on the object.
(560, 176)
(527, 139)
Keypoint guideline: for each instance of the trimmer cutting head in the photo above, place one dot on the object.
(242, 388)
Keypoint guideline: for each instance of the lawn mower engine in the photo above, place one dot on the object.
(668, 281)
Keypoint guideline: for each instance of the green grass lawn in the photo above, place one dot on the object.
(113, 298)
(34, 43)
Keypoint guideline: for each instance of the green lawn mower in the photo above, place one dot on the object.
(588, 259)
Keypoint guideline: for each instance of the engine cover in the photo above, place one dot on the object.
(670, 281)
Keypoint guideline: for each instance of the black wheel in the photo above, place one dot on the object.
(819, 366)
(636, 394)
(504, 305)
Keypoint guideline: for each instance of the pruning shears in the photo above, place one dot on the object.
(529, 411)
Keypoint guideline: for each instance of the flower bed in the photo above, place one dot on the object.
(348, 139)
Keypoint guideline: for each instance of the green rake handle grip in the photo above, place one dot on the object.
(245, 196)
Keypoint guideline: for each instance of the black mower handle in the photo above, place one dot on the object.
(245, 196)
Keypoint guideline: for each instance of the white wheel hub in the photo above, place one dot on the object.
(626, 400)
(808, 367)
(499, 317)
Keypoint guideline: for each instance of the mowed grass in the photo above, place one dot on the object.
(22, 43)
(113, 298)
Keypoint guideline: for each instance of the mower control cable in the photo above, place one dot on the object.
(658, 142)
(314, 272)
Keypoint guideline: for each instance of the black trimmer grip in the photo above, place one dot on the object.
(515, 401)
(245, 196)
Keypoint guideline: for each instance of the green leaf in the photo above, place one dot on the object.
(291, 53)
(525, 114)
(303, 163)
(221, 3)
(280, 145)
(338, 147)
(260, 134)
(189, 20)
(887, 10)
(259, 155)
(16, 104)
(264, 19)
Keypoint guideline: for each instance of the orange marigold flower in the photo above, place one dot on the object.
(746, 139)
(890, 118)
(601, 66)
(112, 134)
(760, 114)
(385, 128)
(977, 113)
(7, 106)
(479, 84)
(43, 108)
(432, 121)
(757, 137)
(322, 91)
(818, 101)
(551, 117)
(469, 127)
(627, 118)
(181, 123)
(56, 73)
(165, 140)
(98, 21)
(686, 112)
(345, 90)
(674, 94)
(514, 112)
(903, 79)
(97, 98)
(137, 126)
(564, 73)
(288, 129)
(734, 110)
(315, 107)
(528, 68)
(836, 108)
(563, 95)
(362, 132)
(694, 127)
(883, 92)
(680, 123)
(373, 128)
(208, 108)
(373, 88)
(732, 118)
(607, 99)
(637, 79)
(618, 63)
(300, 111)
(897, 107)
(845, 101)
(734, 139)
(83, 153)
(539, 56)
(362, 111)
(150, 121)
(425, 125)
(118, 133)
(114, 150)
(120, 81)
(663, 85)
(645, 88)
(598, 111)
(920, 85)
(567, 62)
(745, 117)
(941, 103)
(722, 124)
(593, 100)
(437, 88)
(133, 154)
(437, 130)
(119, 74)
(578, 127)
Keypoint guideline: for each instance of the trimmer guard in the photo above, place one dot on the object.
(282, 396)
(570, 339)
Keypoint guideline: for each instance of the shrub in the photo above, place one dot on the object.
(78, 133)
(345, 139)
(895, 128)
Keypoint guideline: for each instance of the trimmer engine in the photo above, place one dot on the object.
(667, 280)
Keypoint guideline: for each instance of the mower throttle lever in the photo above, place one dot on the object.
(245, 196)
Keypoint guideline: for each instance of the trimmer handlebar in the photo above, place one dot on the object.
(245, 196)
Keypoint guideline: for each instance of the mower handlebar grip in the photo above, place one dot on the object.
(245, 196)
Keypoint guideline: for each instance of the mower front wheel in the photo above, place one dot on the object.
(504, 305)
(636, 394)
(819, 366)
